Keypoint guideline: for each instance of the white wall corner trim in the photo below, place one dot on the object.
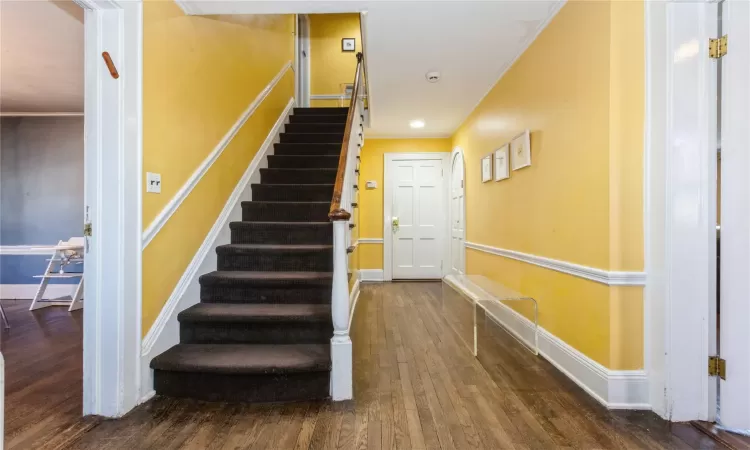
(174, 204)
(370, 275)
(610, 278)
(165, 331)
(370, 240)
(615, 389)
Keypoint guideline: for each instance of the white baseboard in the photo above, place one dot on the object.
(165, 333)
(615, 389)
(371, 275)
(28, 291)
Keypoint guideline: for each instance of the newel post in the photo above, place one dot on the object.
(341, 344)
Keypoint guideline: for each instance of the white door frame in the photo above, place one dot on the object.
(680, 208)
(458, 153)
(112, 186)
(735, 218)
(389, 158)
(302, 64)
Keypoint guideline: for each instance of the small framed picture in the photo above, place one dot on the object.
(501, 163)
(487, 168)
(520, 149)
(348, 44)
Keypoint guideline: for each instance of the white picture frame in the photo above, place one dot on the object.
(502, 166)
(348, 44)
(487, 168)
(520, 150)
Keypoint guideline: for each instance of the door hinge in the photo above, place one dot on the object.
(717, 47)
(87, 229)
(717, 367)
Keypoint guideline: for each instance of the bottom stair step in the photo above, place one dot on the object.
(244, 373)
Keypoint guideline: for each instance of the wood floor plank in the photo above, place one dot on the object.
(417, 385)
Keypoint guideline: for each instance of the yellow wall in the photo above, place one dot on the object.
(581, 200)
(329, 66)
(199, 74)
(371, 213)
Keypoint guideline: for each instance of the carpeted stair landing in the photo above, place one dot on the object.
(262, 329)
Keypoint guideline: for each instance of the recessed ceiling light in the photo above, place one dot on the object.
(417, 124)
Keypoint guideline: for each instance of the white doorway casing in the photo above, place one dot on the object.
(735, 217)
(302, 61)
(680, 208)
(112, 190)
(457, 213)
(422, 238)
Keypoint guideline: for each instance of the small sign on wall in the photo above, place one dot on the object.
(348, 44)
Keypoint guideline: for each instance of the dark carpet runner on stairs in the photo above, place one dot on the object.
(262, 329)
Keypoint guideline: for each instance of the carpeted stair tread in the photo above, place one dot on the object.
(244, 358)
(247, 223)
(315, 127)
(272, 247)
(342, 111)
(265, 278)
(307, 149)
(286, 211)
(303, 161)
(292, 192)
(318, 118)
(254, 313)
(311, 138)
(297, 176)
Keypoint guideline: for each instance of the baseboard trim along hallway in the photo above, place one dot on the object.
(615, 389)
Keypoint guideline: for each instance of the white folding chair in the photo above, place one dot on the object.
(65, 254)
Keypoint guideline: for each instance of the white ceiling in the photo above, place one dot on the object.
(471, 43)
(41, 56)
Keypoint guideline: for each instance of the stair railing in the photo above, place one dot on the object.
(339, 214)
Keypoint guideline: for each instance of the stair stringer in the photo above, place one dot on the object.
(165, 332)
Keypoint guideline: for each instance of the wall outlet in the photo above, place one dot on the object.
(153, 182)
(371, 185)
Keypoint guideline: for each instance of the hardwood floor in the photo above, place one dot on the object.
(43, 353)
(417, 386)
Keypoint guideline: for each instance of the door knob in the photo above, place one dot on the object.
(394, 223)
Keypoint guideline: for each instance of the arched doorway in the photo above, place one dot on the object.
(457, 216)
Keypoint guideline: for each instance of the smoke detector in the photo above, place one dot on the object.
(432, 77)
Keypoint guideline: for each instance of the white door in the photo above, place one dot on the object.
(735, 218)
(418, 217)
(457, 215)
(302, 60)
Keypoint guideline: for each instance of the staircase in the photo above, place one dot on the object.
(262, 329)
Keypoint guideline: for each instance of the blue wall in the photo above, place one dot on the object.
(41, 190)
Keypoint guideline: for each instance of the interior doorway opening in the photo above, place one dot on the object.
(458, 213)
(42, 209)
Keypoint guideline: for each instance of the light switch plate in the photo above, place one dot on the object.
(153, 182)
(371, 185)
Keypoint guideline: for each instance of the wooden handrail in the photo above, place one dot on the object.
(337, 212)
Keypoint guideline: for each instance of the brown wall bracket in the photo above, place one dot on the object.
(110, 65)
